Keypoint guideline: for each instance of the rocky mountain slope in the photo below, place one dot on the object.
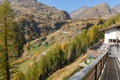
(117, 8)
(67, 32)
(36, 19)
(101, 10)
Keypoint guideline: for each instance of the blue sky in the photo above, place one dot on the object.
(71, 5)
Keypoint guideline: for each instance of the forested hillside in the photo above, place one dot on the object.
(60, 55)
(35, 20)
(28, 50)
(32, 17)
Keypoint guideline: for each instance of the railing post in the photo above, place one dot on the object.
(101, 66)
(96, 72)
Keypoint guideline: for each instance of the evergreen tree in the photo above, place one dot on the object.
(6, 23)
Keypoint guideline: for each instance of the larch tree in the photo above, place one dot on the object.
(6, 27)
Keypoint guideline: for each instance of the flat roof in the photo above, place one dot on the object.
(110, 27)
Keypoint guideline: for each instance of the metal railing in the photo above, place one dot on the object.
(93, 70)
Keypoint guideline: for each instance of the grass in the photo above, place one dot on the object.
(36, 50)
(24, 66)
(66, 72)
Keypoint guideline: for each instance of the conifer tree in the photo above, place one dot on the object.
(6, 23)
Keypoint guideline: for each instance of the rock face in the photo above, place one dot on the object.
(101, 10)
(37, 19)
(78, 13)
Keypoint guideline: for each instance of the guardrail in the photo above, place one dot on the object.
(93, 70)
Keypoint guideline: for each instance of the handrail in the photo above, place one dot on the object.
(93, 70)
(96, 45)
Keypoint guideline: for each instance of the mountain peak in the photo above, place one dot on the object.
(117, 5)
(117, 8)
(83, 7)
(101, 10)
(76, 12)
(102, 4)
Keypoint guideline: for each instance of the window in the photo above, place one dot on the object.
(110, 40)
(114, 40)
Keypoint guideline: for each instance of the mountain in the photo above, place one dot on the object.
(117, 8)
(77, 13)
(101, 10)
(67, 32)
(36, 19)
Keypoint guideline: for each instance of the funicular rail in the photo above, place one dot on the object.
(93, 70)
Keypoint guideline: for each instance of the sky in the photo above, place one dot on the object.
(71, 5)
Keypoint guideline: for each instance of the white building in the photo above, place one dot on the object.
(112, 34)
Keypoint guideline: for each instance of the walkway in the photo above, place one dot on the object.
(112, 68)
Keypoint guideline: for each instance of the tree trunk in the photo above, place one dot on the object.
(6, 52)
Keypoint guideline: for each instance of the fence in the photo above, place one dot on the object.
(93, 70)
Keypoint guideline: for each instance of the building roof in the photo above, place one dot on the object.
(110, 27)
